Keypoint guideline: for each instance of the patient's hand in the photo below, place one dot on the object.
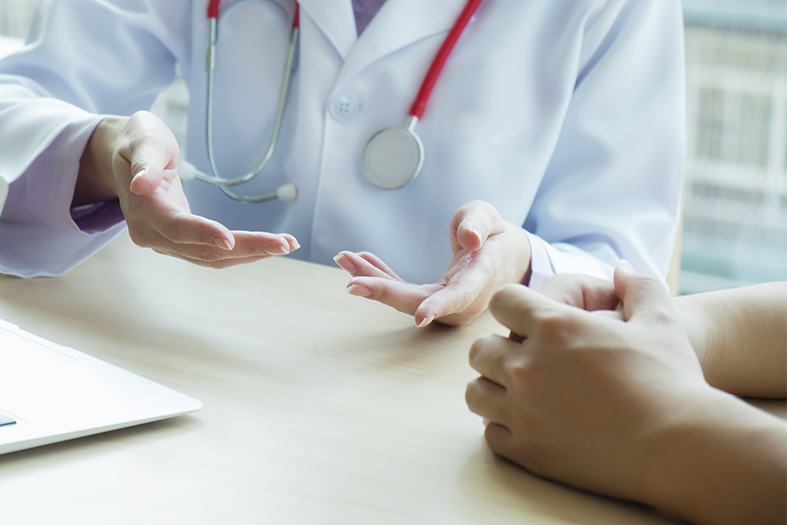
(586, 292)
(620, 406)
(575, 396)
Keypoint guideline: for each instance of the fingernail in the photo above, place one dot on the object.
(139, 175)
(626, 267)
(359, 291)
(425, 321)
(345, 263)
(278, 249)
(222, 243)
(295, 245)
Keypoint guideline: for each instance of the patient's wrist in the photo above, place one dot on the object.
(718, 461)
(699, 327)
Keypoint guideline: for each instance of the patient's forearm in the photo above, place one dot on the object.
(740, 336)
(723, 462)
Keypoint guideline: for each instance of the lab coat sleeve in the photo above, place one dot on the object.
(613, 187)
(82, 60)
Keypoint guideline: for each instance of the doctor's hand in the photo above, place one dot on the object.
(488, 252)
(134, 159)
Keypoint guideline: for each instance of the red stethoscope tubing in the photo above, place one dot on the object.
(419, 105)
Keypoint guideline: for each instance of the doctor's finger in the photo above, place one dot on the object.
(362, 265)
(152, 219)
(458, 302)
(151, 168)
(379, 263)
(217, 264)
(151, 151)
(473, 223)
(402, 296)
(249, 244)
(246, 250)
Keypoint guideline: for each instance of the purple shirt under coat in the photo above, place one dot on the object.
(364, 11)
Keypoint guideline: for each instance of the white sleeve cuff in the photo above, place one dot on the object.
(42, 194)
(547, 260)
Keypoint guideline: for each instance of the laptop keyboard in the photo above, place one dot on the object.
(6, 421)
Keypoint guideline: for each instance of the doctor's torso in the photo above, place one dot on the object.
(489, 129)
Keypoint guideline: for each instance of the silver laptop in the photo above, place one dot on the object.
(50, 393)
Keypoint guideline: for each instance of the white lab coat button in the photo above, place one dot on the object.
(344, 107)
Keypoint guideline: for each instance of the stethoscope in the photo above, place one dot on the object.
(391, 158)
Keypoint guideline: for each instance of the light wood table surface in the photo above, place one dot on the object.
(319, 407)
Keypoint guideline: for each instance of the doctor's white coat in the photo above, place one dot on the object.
(566, 115)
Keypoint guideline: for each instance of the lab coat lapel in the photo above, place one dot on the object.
(335, 19)
(399, 23)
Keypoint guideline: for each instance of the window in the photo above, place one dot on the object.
(735, 210)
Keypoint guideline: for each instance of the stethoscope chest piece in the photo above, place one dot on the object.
(393, 157)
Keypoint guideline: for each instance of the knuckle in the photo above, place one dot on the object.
(381, 294)
(208, 254)
(257, 250)
(521, 373)
(171, 229)
(555, 327)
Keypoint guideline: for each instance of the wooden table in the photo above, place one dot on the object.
(319, 407)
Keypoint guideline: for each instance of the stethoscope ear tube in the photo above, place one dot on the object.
(215, 177)
(210, 64)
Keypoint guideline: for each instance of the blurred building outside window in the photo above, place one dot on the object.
(735, 210)
(735, 205)
(15, 17)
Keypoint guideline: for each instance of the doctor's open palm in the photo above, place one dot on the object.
(488, 252)
(134, 159)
